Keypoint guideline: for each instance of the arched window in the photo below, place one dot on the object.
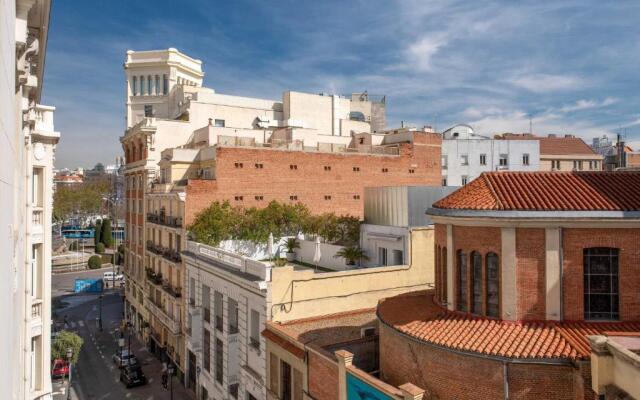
(462, 281)
(476, 279)
(601, 283)
(134, 86)
(142, 88)
(493, 285)
(445, 299)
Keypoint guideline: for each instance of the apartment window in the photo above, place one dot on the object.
(148, 110)
(385, 170)
(493, 285)
(238, 198)
(555, 165)
(219, 361)
(601, 283)
(476, 272)
(462, 281)
(483, 159)
(206, 303)
(218, 123)
(232, 306)
(157, 86)
(259, 198)
(327, 197)
(273, 372)
(259, 166)
(149, 84)
(464, 179)
(327, 168)
(254, 326)
(397, 257)
(134, 86)
(525, 159)
(294, 197)
(356, 197)
(218, 310)
(412, 171)
(577, 165)
(293, 166)
(464, 159)
(590, 164)
(239, 165)
(444, 181)
(192, 291)
(206, 357)
(504, 160)
(285, 380)
(142, 86)
(444, 162)
(356, 169)
(382, 256)
(165, 84)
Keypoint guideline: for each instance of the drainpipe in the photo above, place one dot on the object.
(561, 274)
(505, 375)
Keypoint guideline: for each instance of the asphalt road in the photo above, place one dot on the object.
(63, 283)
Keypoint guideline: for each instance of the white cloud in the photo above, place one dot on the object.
(421, 52)
(543, 83)
(587, 104)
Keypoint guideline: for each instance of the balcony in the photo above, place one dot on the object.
(167, 253)
(36, 309)
(173, 291)
(165, 220)
(159, 312)
(154, 277)
(37, 220)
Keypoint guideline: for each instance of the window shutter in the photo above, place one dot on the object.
(297, 384)
(273, 373)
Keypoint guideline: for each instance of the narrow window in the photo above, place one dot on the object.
(165, 84)
(148, 110)
(327, 168)
(206, 303)
(601, 283)
(218, 310)
(206, 359)
(444, 181)
(356, 197)
(134, 86)
(219, 361)
(327, 197)
(157, 86)
(356, 169)
(476, 260)
(493, 285)
(285, 381)
(142, 86)
(385, 170)
(443, 259)
(462, 281)
(464, 159)
(412, 171)
(525, 159)
(444, 162)
(149, 84)
(504, 160)
(464, 180)
(254, 326)
(293, 166)
(382, 255)
(483, 159)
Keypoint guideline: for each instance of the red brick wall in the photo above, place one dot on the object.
(482, 240)
(448, 375)
(628, 241)
(530, 274)
(310, 182)
(322, 378)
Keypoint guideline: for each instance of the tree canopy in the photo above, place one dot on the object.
(82, 199)
(221, 221)
(66, 340)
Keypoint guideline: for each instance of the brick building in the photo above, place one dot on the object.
(528, 265)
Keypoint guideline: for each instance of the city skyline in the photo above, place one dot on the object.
(440, 63)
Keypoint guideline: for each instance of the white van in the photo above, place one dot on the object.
(108, 276)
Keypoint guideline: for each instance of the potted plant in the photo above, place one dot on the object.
(292, 245)
(352, 254)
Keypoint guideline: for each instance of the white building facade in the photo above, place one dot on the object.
(465, 155)
(27, 146)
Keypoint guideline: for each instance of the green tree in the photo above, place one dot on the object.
(95, 262)
(351, 254)
(66, 340)
(100, 248)
(106, 236)
(84, 199)
(73, 246)
(98, 233)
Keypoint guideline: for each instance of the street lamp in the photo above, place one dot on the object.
(69, 359)
(100, 316)
(171, 371)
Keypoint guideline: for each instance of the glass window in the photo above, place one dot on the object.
(206, 359)
(219, 361)
(601, 283)
(206, 303)
(156, 89)
(219, 123)
(444, 161)
(165, 84)
(255, 329)
(218, 310)
(462, 281)
(445, 299)
(464, 159)
(148, 110)
(464, 180)
(525, 159)
(285, 380)
(483, 159)
(149, 85)
(382, 255)
(142, 86)
(504, 160)
(134, 86)
(493, 285)
(476, 260)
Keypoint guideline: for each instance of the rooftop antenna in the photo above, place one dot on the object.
(530, 124)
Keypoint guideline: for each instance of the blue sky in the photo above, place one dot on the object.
(572, 65)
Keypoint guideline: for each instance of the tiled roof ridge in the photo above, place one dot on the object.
(323, 317)
(485, 177)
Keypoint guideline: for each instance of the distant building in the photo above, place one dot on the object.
(67, 181)
(28, 141)
(465, 155)
(566, 153)
(616, 155)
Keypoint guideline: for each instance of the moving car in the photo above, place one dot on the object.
(123, 358)
(60, 368)
(132, 376)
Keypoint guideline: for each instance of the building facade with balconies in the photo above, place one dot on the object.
(27, 147)
(466, 154)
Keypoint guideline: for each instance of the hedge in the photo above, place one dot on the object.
(95, 262)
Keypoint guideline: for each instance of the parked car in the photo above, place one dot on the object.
(108, 276)
(132, 376)
(123, 358)
(60, 368)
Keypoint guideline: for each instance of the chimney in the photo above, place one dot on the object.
(552, 135)
(569, 136)
(210, 121)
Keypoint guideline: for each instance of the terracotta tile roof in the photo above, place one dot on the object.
(418, 316)
(283, 343)
(548, 191)
(327, 329)
(556, 146)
